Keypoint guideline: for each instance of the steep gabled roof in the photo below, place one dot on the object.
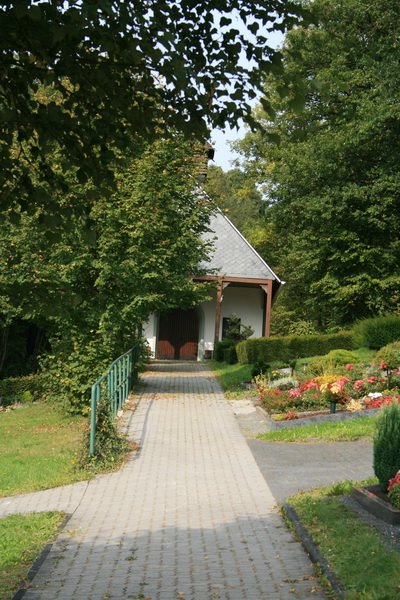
(233, 256)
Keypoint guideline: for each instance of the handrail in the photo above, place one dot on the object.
(114, 385)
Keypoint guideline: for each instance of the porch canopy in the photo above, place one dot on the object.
(234, 262)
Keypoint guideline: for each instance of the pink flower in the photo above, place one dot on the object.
(349, 367)
(295, 393)
(358, 384)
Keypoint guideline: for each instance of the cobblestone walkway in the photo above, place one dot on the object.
(190, 517)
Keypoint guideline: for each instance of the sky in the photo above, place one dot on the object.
(220, 140)
(223, 154)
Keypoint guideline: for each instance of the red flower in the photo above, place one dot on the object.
(349, 367)
(394, 481)
(309, 385)
(373, 402)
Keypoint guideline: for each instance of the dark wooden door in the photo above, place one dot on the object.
(178, 335)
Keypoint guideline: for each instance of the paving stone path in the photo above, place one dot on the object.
(190, 517)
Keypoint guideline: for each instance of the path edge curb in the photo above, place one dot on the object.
(312, 549)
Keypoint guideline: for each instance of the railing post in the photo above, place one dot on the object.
(130, 370)
(111, 391)
(93, 414)
(109, 388)
(119, 385)
(126, 377)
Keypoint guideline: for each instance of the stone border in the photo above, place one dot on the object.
(312, 549)
(371, 502)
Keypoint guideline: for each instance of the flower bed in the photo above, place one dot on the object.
(290, 398)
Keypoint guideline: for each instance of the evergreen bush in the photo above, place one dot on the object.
(387, 445)
(221, 347)
(230, 355)
(225, 349)
(377, 332)
(260, 368)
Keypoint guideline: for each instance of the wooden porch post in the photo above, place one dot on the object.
(218, 312)
(268, 304)
(220, 290)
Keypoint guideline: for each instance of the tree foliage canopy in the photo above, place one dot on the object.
(90, 284)
(329, 163)
(92, 76)
(236, 194)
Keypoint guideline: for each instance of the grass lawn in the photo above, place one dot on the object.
(366, 568)
(339, 431)
(22, 538)
(38, 447)
(230, 377)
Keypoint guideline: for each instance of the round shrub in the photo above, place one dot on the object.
(332, 362)
(387, 445)
(389, 356)
(341, 357)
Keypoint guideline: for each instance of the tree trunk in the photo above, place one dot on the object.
(3, 346)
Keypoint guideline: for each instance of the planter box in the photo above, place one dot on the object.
(376, 502)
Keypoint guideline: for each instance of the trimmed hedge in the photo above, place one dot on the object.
(28, 388)
(377, 332)
(291, 347)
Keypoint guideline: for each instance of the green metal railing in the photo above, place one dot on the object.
(114, 386)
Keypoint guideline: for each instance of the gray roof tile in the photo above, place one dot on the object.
(233, 255)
